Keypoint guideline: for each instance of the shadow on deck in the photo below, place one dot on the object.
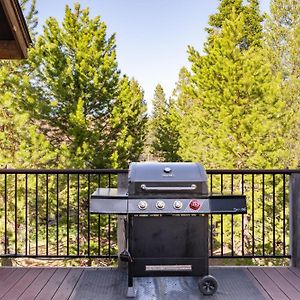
(110, 284)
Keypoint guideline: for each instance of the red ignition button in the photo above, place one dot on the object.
(195, 204)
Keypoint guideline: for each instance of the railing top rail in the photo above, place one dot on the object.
(253, 171)
(62, 171)
(118, 171)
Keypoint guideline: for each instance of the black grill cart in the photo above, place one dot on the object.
(166, 208)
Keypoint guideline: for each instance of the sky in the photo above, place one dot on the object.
(151, 35)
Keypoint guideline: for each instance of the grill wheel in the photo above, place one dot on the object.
(208, 285)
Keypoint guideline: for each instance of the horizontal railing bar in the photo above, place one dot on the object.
(57, 256)
(251, 171)
(116, 256)
(62, 171)
(250, 256)
(122, 171)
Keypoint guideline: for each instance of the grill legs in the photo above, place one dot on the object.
(131, 293)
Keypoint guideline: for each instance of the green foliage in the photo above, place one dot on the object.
(128, 121)
(163, 127)
(75, 81)
(283, 45)
(252, 28)
(236, 122)
(21, 143)
(74, 89)
(30, 12)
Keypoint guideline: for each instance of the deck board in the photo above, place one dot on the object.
(38, 284)
(22, 284)
(7, 283)
(287, 288)
(295, 271)
(53, 284)
(257, 284)
(268, 284)
(68, 285)
(291, 277)
(277, 283)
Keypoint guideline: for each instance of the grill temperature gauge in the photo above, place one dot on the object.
(160, 204)
(142, 205)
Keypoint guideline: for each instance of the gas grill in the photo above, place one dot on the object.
(166, 207)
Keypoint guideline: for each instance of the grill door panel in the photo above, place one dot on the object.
(169, 240)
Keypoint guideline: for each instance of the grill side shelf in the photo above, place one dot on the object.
(109, 201)
(227, 204)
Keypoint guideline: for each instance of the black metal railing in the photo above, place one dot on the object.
(45, 214)
(264, 231)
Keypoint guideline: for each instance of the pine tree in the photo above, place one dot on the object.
(159, 104)
(224, 12)
(29, 8)
(163, 127)
(252, 26)
(128, 123)
(180, 95)
(236, 122)
(21, 143)
(73, 86)
(283, 43)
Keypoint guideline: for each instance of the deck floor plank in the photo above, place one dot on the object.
(276, 283)
(68, 285)
(296, 271)
(291, 277)
(53, 284)
(268, 284)
(5, 272)
(257, 284)
(282, 283)
(8, 283)
(22, 284)
(38, 284)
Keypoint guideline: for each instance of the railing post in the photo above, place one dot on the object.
(121, 238)
(294, 192)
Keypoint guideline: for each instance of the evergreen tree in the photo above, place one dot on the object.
(283, 44)
(73, 86)
(252, 25)
(29, 8)
(236, 122)
(224, 12)
(128, 123)
(159, 104)
(180, 96)
(21, 143)
(163, 127)
(159, 110)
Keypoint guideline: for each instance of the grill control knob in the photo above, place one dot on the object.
(142, 205)
(195, 204)
(177, 204)
(160, 204)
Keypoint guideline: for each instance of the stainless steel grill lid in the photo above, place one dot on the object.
(165, 180)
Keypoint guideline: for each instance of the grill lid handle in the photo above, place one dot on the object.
(168, 188)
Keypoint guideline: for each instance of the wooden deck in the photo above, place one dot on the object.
(81, 283)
